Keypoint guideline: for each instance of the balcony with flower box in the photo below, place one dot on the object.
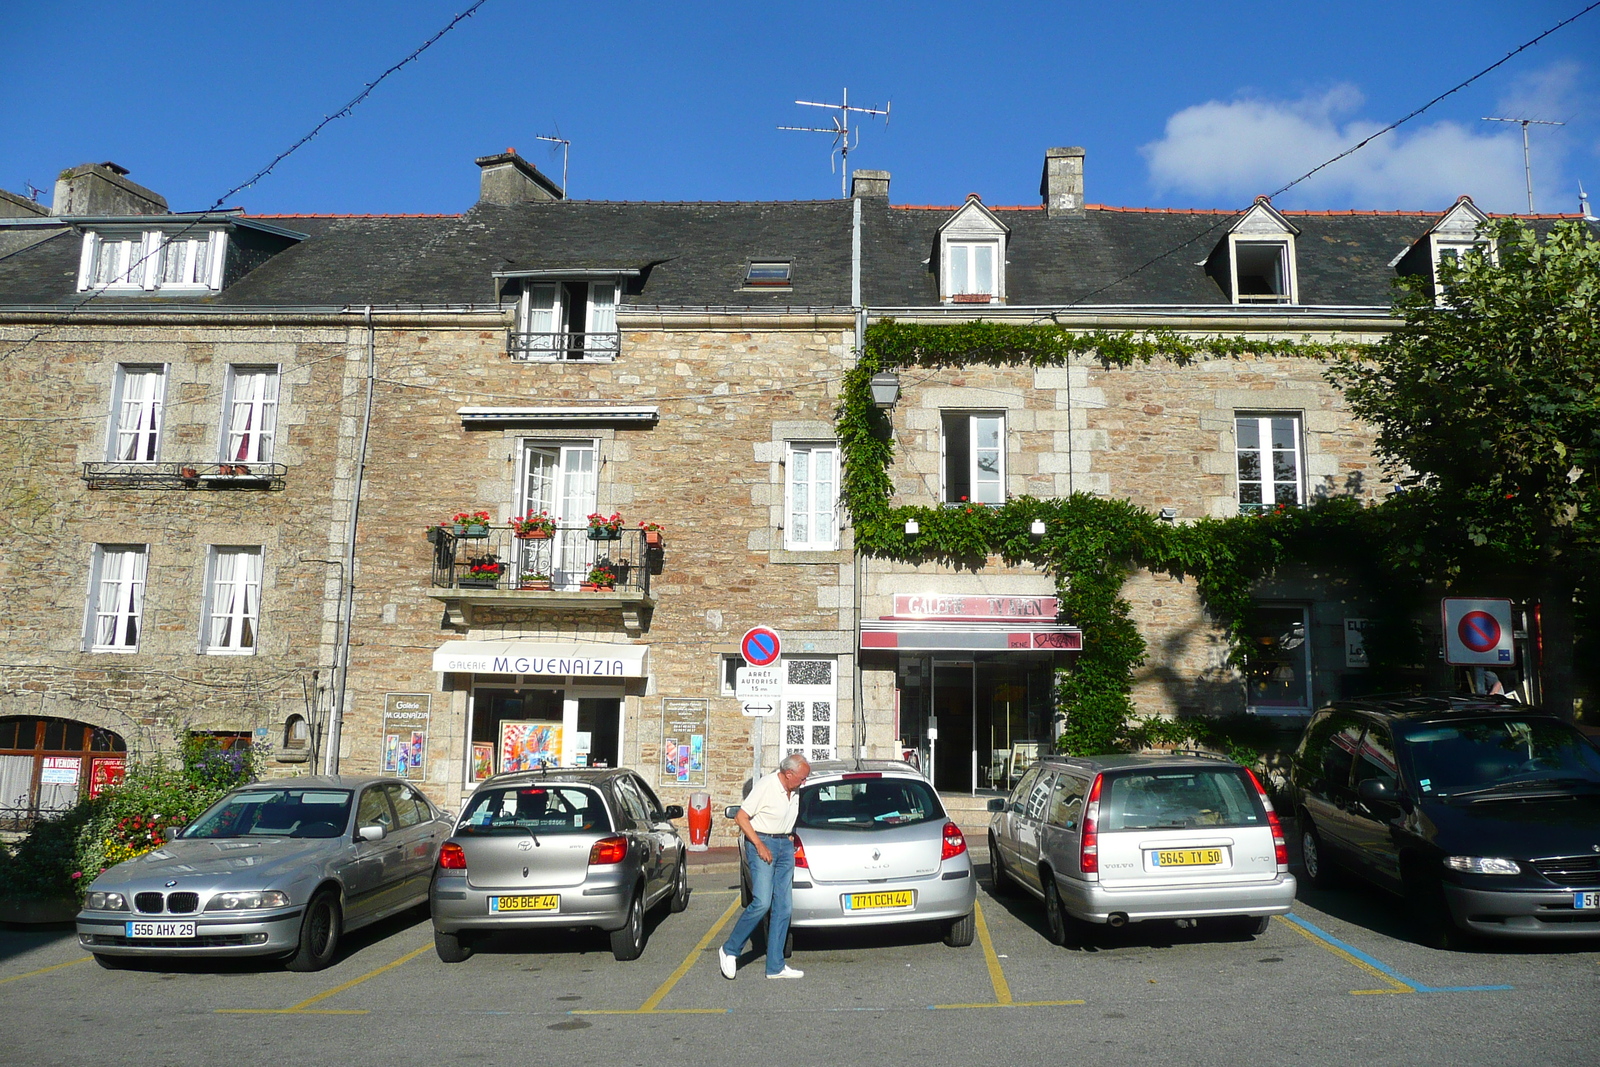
(129, 475)
(479, 567)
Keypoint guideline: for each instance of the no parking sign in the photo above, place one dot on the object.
(1477, 631)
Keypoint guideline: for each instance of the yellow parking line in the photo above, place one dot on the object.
(303, 1008)
(652, 1005)
(997, 977)
(1398, 986)
(44, 970)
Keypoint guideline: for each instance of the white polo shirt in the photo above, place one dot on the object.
(772, 809)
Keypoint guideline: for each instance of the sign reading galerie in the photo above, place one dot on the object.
(405, 734)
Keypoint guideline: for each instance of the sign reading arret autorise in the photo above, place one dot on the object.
(1476, 631)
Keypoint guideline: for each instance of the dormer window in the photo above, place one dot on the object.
(567, 320)
(1255, 263)
(147, 260)
(1451, 238)
(972, 256)
(768, 274)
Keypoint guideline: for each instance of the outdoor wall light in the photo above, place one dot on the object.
(1168, 514)
(885, 388)
(913, 527)
(1036, 531)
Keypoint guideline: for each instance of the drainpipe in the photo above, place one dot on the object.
(335, 727)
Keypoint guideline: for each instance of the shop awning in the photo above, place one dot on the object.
(922, 635)
(552, 659)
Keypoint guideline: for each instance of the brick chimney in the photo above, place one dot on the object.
(103, 189)
(1062, 182)
(869, 183)
(507, 179)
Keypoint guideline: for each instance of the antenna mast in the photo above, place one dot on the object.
(565, 145)
(1527, 167)
(841, 133)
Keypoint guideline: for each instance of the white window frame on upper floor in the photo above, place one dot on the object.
(114, 619)
(1450, 247)
(148, 260)
(546, 319)
(811, 496)
(250, 414)
(992, 482)
(138, 396)
(1263, 454)
(1288, 276)
(231, 619)
(961, 274)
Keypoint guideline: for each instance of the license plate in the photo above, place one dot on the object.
(542, 902)
(900, 898)
(1186, 857)
(1586, 900)
(160, 930)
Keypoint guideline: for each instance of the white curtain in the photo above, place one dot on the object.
(139, 414)
(121, 597)
(812, 496)
(254, 413)
(602, 317)
(541, 323)
(16, 779)
(235, 598)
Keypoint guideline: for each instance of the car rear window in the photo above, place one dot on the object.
(544, 809)
(877, 803)
(275, 813)
(1179, 799)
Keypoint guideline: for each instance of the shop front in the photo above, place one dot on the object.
(974, 682)
(532, 705)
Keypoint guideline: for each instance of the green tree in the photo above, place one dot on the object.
(1487, 412)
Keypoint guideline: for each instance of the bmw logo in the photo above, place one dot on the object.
(173, 883)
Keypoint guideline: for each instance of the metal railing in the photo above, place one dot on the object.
(552, 347)
(182, 475)
(563, 562)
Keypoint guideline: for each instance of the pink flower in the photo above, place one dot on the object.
(77, 874)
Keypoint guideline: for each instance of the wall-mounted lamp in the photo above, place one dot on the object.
(1036, 531)
(913, 527)
(885, 388)
(1168, 514)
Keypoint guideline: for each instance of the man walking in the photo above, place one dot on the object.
(766, 818)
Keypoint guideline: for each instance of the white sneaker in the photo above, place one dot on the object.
(788, 972)
(728, 964)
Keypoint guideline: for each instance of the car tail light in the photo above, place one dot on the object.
(451, 858)
(1089, 842)
(858, 775)
(1280, 847)
(800, 854)
(608, 850)
(955, 842)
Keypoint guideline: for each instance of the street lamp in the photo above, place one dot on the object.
(885, 389)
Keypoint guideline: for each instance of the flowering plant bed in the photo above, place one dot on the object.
(534, 527)
(601, 576)
(468, 524)
(652, 533)
(605, 527)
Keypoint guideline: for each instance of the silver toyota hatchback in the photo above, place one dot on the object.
(558, 848)
(1118, 839)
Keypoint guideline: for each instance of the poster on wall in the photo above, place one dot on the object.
(405, 734)
(104, 773)
(60, 770)
(482, 760)
(525, 746)
(683, 741)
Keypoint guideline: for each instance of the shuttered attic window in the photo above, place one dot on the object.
(768, 274)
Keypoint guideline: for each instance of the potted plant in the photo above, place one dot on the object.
(533, 580)
(652, 533)
(602, 577)
(605, 527)
(483, 572)
(468, 524)
(190, 476)
(531, 527)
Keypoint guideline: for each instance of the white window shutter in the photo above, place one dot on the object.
(217, 259)
(91, 243)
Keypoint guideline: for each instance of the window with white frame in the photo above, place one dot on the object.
(811, 496)
(974, 448)
(570, 320)
(810, 719)
(971, 269)
(251, 414)
(233, 602)
(136, 399)
(561, 479)
(116, 597)
(1455, 252)
(1263, 272)
(1270, 460)
(152, 259)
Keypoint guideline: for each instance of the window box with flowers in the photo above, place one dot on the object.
(605, 527)
(483, 572)
(474, 524)
(653, 532)
(602, 578)
(533, 581)
(531, 527)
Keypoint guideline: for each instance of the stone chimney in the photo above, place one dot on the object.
(869, 183)
(1062, 182)
(103, 189)
(507, 179)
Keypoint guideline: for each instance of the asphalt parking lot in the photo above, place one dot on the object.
(1338, 981)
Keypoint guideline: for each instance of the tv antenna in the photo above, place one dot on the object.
(34, 192)
(565, 146)
(841, 132)
(1527, 167)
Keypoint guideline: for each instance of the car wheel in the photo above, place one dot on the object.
(1430, 914)
(1319, 872)
(319, 934)
(452, 948)
(959, 933)
(680, 886)
(628, 942)
(1249, 925)
(999, 879)
(1062, 928)
(111, 963)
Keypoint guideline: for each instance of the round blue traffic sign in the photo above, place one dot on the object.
(1479, 631)
(759, 646)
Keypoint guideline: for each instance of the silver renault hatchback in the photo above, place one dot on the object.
(558, 848)
(1119, 839)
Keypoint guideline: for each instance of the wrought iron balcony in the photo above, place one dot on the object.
(258, 476)
(555, 347)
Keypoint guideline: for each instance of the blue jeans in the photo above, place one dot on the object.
(771, 894)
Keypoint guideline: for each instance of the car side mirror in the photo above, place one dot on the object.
(370, 833)
(997, 804)
(673, 811)
(171, 833)
(732, 811)
(1377, 789)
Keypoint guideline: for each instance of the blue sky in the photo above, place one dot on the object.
(1177, 104)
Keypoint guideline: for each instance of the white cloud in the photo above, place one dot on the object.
(1233, 150)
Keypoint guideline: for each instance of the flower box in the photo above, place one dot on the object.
(474, 582)
(605, 533)
(534, 585)
(472, 532)
(534, 535)
(596, 587)
(652, 538)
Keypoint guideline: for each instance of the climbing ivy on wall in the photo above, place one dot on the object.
(1092, 544)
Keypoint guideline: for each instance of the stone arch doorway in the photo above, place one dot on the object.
(47, 765)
